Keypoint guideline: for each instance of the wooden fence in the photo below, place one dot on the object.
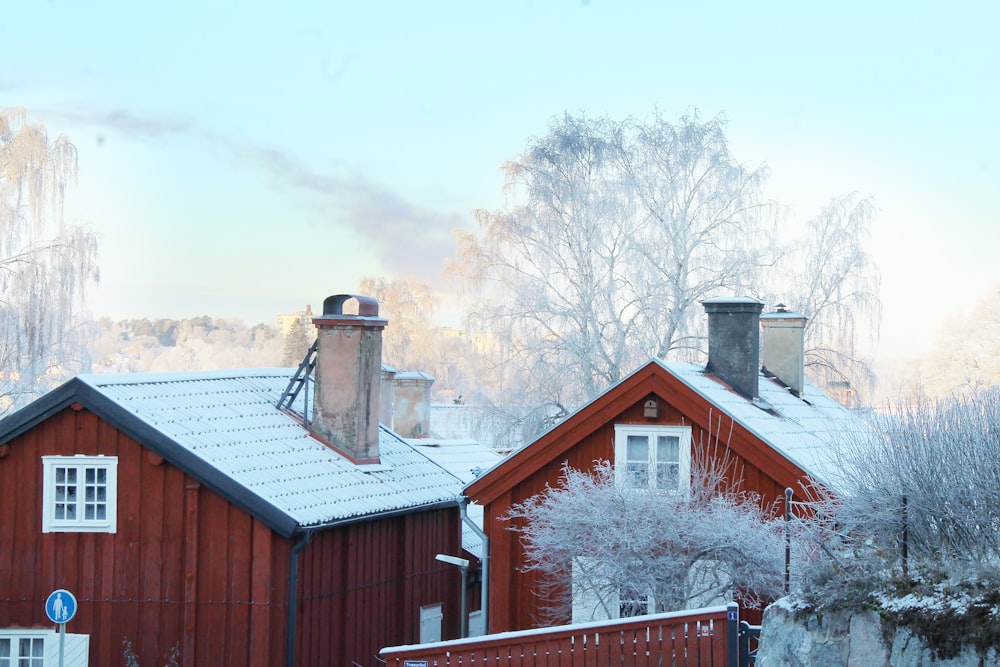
(696, 638)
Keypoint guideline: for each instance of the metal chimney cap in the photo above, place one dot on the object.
(334, 305)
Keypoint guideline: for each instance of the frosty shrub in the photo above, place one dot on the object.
(668, 549)
(928, 478)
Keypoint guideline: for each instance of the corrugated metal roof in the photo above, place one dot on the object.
(229, 422)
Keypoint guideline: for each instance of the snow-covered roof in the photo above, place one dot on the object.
(223, 426)
(806, 429)
(465, 459)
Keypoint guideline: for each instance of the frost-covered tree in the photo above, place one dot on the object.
(612, 234)
(603, 549)
(928, 477)
(967, 353)
(297, 342)
(828, 274)
(200, 343)
(45, 263)
(413, 341)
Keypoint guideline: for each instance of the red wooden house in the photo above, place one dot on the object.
(778, 427)
(191, 516)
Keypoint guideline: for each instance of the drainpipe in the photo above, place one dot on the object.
(293, 595)
(463, 503)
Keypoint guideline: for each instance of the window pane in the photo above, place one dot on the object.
(89, 494)
(4, 651)
(70, 514)
(668, 448)
(102, 512)
(60, 475)
(71, 475)
(637, 448)
(90, 475)
(102, 475)
(102, 494)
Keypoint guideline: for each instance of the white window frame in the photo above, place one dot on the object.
(50, 498)
(77, 647)
(12, 638)
(682, 433)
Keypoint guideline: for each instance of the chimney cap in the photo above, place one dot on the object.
(415, 375)
(732, 304)
(334, 305)
(781, 312)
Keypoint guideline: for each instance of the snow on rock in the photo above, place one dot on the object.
(851, 640)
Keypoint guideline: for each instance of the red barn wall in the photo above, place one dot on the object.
(513, 604)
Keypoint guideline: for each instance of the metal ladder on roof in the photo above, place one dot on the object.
(299, 380)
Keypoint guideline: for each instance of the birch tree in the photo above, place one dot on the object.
(829, 275)
(613, 232)
(45, 263)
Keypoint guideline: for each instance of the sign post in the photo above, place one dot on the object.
(60, 607)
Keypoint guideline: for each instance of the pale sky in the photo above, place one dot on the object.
(246, 158)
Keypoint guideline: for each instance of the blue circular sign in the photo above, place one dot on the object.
(60, 606)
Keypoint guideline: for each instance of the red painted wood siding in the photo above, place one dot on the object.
(513, 603)
(186, 568)
(362, 586)
(189, 569)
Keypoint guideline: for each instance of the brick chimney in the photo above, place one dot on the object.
(348, 377)
(411, 417)
(783, 352)
(734, 341)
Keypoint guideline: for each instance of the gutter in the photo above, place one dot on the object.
(463, 503)
(293, 601)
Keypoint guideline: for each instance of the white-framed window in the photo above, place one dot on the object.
(22, 651)
(38, 647)
(79, 494)
(653, 457)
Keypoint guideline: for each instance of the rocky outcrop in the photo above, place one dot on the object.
(851, 640)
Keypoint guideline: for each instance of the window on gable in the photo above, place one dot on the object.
(653, 457)
(79, 494)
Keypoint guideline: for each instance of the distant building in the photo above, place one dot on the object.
(305, 316)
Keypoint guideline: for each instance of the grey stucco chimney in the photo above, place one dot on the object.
(783, 355)
(348, 377)
(412, 412)
(734, 341)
